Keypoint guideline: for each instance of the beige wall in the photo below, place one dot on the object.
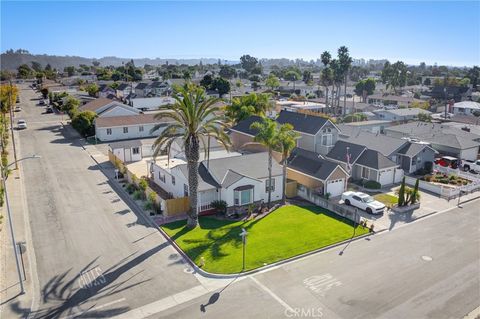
(303, 179)
(239, 140)
(338, 174)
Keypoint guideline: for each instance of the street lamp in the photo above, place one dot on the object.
(244, 234)
(10, 222)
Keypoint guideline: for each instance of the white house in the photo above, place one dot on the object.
(115, 128)
(109, 108)
(405, 114)
(151, 103)
(132, 150)
(238, 180)
(466, 107)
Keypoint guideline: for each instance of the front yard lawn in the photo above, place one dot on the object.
(287, 232)
(387, 199)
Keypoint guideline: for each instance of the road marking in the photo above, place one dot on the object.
(271, 293)
(95, 308)
(91, 278)
(321, 284)
(427, 258)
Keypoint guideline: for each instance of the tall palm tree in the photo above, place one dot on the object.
(346, 63)
(267, 136)
(194, 119)
(286, 142)
(326, 76)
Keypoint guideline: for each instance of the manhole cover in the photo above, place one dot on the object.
(427, 258)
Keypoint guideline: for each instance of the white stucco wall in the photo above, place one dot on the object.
(133, 132)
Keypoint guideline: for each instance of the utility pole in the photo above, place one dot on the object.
(244, 234)
(11, 122)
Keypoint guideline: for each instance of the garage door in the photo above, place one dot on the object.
(386, 177)
(336, 187)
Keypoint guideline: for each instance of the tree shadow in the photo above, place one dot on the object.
(69, 299)
(400, 217)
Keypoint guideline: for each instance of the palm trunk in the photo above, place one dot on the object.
(192, 153)
(269, 176)
(345, 96)
(284, 194)
(326, 99)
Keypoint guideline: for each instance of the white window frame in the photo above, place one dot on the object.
(161, 176)
(125, 130)
(109, 131)
(368, 172)
(267, 184)
(329, 140)
(237, 197)
(185, 190)
(140, 128)
(135, 150)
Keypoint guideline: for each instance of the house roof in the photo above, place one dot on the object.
(392, 98)
(96, 104)
(379, 142)
(127, 120)
(375, 160)
(468, 105)
(404, 112)
(412, 149)
(311, 163)
(123, 86)
(339, 151)
(141, 86)
(244, 126)
(302, 122)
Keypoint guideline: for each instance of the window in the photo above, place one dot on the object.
(161, 176)
(365, 172)
(243, 197)
(185, 189)
(125, 130)
(173, 180)
(109, 131)
(267, 185)
(135, 150)
(140, 128)
(327, 139)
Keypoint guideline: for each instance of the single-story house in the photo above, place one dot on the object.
(373, 126)
(317, 134)
(400, 115)
(107, 108)
(104, 90)
(446, 140)
(233, 179)
(132, 150)
(366, 164)
(380, 99)
(466, 108)
(123, 90)
(115, 128)
(150, 103)
(313, 171)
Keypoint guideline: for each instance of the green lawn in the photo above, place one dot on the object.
(287, 232)
(387, 199)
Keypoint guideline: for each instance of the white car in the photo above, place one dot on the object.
(363, 201)
(471, 166)
(21, 124)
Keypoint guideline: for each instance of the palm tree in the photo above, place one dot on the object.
(267, 136)
(286, 142)
(345, 63)
(326, 77)
(194, 120)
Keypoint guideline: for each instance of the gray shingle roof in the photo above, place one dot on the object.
(412, 149)
(244, 126)
(311, 163)
(339, 151)
(301, 122)
(386, 145)
(123, 86)
(141, 86)
(375, 160)
(404, 111)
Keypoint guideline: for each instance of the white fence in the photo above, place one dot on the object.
(443, 190)
(456, 172)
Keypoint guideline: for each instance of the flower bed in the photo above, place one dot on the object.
(445, 179)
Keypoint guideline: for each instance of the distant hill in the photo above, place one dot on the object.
(11, 61)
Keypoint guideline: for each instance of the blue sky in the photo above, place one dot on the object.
(413, 31)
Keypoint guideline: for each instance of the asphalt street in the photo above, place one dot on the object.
(95, 256)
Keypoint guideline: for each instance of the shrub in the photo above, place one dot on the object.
(131, 188)
(373, 185)
(143, 184)
(148, 206)
(327, 196)
(401, 194)
(428, 178)
(220, 206)
(83, 123)
(137, 195)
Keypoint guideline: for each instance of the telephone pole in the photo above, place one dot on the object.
(11, 122)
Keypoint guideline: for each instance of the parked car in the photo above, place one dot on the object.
(447, 161)
(363, 201)
(17, 109)
(49, 110)
(469, 166)
(21, 124)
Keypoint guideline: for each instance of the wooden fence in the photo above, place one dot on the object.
(291, 189)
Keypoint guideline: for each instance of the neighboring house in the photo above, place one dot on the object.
(400, 115)
(117, 128)
(107, 107)
(297, 106)
(151, 103)
(233, 179)
(159, 88)
(142, 89)
(395, 148)
(216, 150)
(365, 164)
(317, 134)
(373, 126)
(105, 90)
(384, 100)
(466, 108)
(132, 150)
(313, 171)
(446, 140)
(123, 90)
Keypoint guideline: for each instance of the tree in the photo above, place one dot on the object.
(227, 72)
(307, 76)
(83, 123)
(70, 70)
(473, 74)
(292, 76)
(286, 142)
(24, 71)
(44, 92)
(221, 85)
(37, 67)
(70, 106)
(427, 81)
(92, 89)
(401, 194)
(272, 82)
(187, 76)
(326, 77)
(364, 88)
(249, 63)
(246, 106)
(394, 75)
(424, 117)
(415, 196)
(193, 120)
(345, 62)
(207, 81)
(267, 136)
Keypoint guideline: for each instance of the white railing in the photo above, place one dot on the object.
(456, 172)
